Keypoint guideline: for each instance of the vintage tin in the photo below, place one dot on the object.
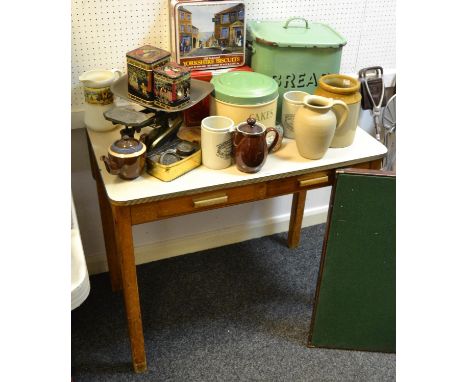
(185, 148)
(239, 95)
(140, 65)
(168, 172)
(207, 34)
(171, 86)
(296, 53)
(194, 115)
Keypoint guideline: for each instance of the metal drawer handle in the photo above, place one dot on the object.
(310, 182)
(210, 202)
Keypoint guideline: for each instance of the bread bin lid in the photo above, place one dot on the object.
(244, 88)
(295, 32)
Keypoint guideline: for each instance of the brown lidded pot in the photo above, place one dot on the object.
(126, 157)
(250, 147)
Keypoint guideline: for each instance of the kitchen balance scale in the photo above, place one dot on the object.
(165, 123)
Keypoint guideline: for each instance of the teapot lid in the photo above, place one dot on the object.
(250, 127)
(126, 146)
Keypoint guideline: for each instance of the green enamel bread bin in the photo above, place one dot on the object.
(296, 53)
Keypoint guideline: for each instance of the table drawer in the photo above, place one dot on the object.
(142, 213)
(195, 203)
(299, 182)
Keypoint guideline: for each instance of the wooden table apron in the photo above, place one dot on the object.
(119, 217)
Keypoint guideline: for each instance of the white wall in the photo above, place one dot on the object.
(102, 32)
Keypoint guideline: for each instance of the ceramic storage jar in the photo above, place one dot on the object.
(240, 95)
(344, 88)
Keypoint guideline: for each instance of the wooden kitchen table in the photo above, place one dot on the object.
(124, 204)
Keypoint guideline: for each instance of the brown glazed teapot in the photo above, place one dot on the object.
(250, 147)
(126, 157)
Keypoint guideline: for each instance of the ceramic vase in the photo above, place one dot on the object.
(315, 124)
(346, 89)
(98, 97)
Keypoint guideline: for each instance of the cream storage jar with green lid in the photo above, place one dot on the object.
(240, 95)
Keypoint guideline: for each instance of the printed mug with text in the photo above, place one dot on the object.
(216, 141)
(292, 102)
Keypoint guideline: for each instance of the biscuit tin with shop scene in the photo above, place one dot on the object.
(208, 34)
(171, 86)
(140, 65)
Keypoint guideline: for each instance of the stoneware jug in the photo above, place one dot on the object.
(315, 124)
(98, 97)
(126, 157)
(250, 146)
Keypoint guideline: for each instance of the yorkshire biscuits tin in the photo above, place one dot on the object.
(140, 65)
(208, 34)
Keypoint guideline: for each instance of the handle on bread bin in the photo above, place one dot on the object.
(249, 46)
(296, 18)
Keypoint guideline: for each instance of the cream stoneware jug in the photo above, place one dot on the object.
(315, 124)
(98, 97)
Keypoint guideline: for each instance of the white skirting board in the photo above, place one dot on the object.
(97, 263)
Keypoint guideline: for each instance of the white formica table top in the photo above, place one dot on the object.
(283, 163)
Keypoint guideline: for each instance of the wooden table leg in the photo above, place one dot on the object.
(113, 262)
(123, 226)
(295, 221)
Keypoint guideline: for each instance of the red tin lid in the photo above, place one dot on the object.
(148, 54)
(207, 75)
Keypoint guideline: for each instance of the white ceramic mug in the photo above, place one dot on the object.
(292, 101)
(216, 141)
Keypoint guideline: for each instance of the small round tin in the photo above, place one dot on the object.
(185, 148)
(169, 157)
